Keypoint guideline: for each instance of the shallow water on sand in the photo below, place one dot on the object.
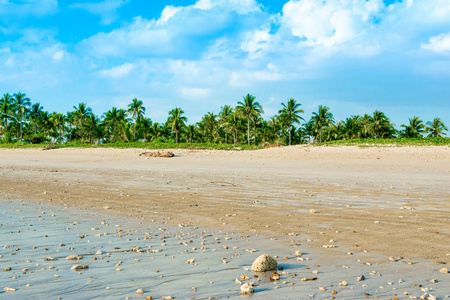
(153, 256)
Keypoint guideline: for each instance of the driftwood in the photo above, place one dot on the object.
(157, 154)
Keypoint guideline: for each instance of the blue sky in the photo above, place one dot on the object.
(354, 56)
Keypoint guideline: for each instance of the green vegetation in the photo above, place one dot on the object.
(427, 141)
(23, 124)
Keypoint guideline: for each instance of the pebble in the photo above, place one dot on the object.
(9, 289)
(79, 267)
(74, 257)
(343, 283)
(264, 263)
(247, 289)
(444, 270)
(140, 291)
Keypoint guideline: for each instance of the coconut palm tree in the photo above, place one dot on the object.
(351, 127)
(233, 123)
(45, 122)
(176, 121)
(224, 114)
(92, 127)
(21, 105)
(34, 113)
(190, 133)
(414, 129)
(322, 118)
(145, 125)
(249, 108)
(137, 110)
(380, 122)
(6, 109)
(436, 128)
(290, 113)
(308, 130)
(58, 120)
(81, 113)
(210, 123)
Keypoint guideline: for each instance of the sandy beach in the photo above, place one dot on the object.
(345, 205)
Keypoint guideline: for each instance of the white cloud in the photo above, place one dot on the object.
(180, 31)
(439, 43)
(256, 42)
(168, 12)
(195, 93)
(331, 22)
(58, 55)
(240, 6)
(107, 9)
(117, 72)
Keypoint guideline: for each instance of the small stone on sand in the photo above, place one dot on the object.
(246, 289)
(74, 257)
(264, 263)
(79, 267)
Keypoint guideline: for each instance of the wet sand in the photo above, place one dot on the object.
(372, 202)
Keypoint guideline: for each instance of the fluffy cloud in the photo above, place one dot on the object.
(107, 9)
(180, 31)
(330, 22)
(117, 72)
(439, 43)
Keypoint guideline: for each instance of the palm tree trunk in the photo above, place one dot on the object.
(134, 131)
(60, 134)
(226, 137)
(82, 134)
(289, 134)
(176, 136)
(248, 131)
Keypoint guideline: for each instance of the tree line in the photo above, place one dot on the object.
(22, 120)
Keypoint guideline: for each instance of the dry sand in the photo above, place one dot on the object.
(380, 201)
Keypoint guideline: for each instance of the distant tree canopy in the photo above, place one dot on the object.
(22, 120)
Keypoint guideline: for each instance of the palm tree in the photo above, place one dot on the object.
(233, 124)
(45, 122)
(290, 113)
(34, 113)
(59, 120)
(6, 108)
(137, 110)
(224, 114)
(190, 133)
(81, 113)
(176, 121)
(414, 129)
(209, 122)
(436, 128)
(308, 130)
(322, 118)
(351, 127)
(145, 125)
(92, 127)
(249, 108)
(379, 122)
(21, 105)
